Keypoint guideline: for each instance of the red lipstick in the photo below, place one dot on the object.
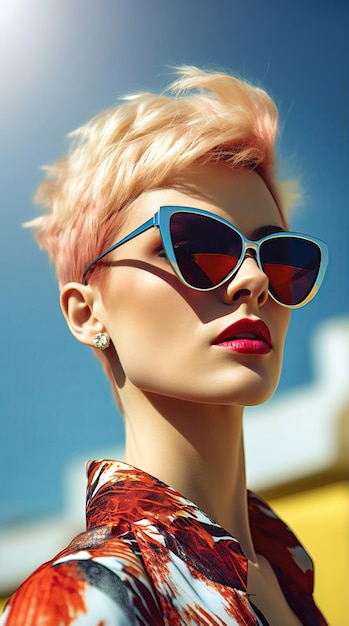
(246, 336)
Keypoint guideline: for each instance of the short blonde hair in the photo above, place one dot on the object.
(142, 144)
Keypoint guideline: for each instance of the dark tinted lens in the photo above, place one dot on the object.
(292, 266)
(206, 250)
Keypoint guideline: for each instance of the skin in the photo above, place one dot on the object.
(182, 396)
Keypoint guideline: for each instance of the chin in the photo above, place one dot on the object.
(248, 391)
(260, 396)
(243, 396)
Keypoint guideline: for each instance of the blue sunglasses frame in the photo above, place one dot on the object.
(162, 220)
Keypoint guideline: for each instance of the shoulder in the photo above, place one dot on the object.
(291, 563)
(97, 579)
(273, 536)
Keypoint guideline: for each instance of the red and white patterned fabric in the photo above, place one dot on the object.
(151, 557)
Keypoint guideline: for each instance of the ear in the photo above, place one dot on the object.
(79, 304)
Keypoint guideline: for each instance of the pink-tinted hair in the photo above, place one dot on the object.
(142, 144)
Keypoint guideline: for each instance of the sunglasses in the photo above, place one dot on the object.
(205, 251)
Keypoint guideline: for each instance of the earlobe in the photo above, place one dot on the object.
(78, 304)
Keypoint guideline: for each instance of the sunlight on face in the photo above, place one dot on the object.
(164, 331)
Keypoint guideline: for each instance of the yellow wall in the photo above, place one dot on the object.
(320, 519)
(2, 603)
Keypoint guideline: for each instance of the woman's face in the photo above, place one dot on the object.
(165, 333)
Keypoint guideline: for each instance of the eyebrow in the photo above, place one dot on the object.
(266, 230)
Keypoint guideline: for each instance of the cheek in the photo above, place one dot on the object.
(282, 320)
(278, 317)
(285, 317)
(147, 319)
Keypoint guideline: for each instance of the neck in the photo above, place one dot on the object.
(197, 450)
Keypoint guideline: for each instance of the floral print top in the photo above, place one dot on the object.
(151, 557)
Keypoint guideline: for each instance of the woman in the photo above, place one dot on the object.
(169, 233)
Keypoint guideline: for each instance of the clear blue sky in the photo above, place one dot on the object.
(61, 61)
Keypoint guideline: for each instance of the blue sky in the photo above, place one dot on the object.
(62, 61)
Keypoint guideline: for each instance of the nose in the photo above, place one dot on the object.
(250, 283)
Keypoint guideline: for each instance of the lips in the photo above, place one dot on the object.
(246, 336)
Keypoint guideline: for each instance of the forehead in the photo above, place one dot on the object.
(240, 196)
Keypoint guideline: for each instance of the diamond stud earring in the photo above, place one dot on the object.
(101, 341)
